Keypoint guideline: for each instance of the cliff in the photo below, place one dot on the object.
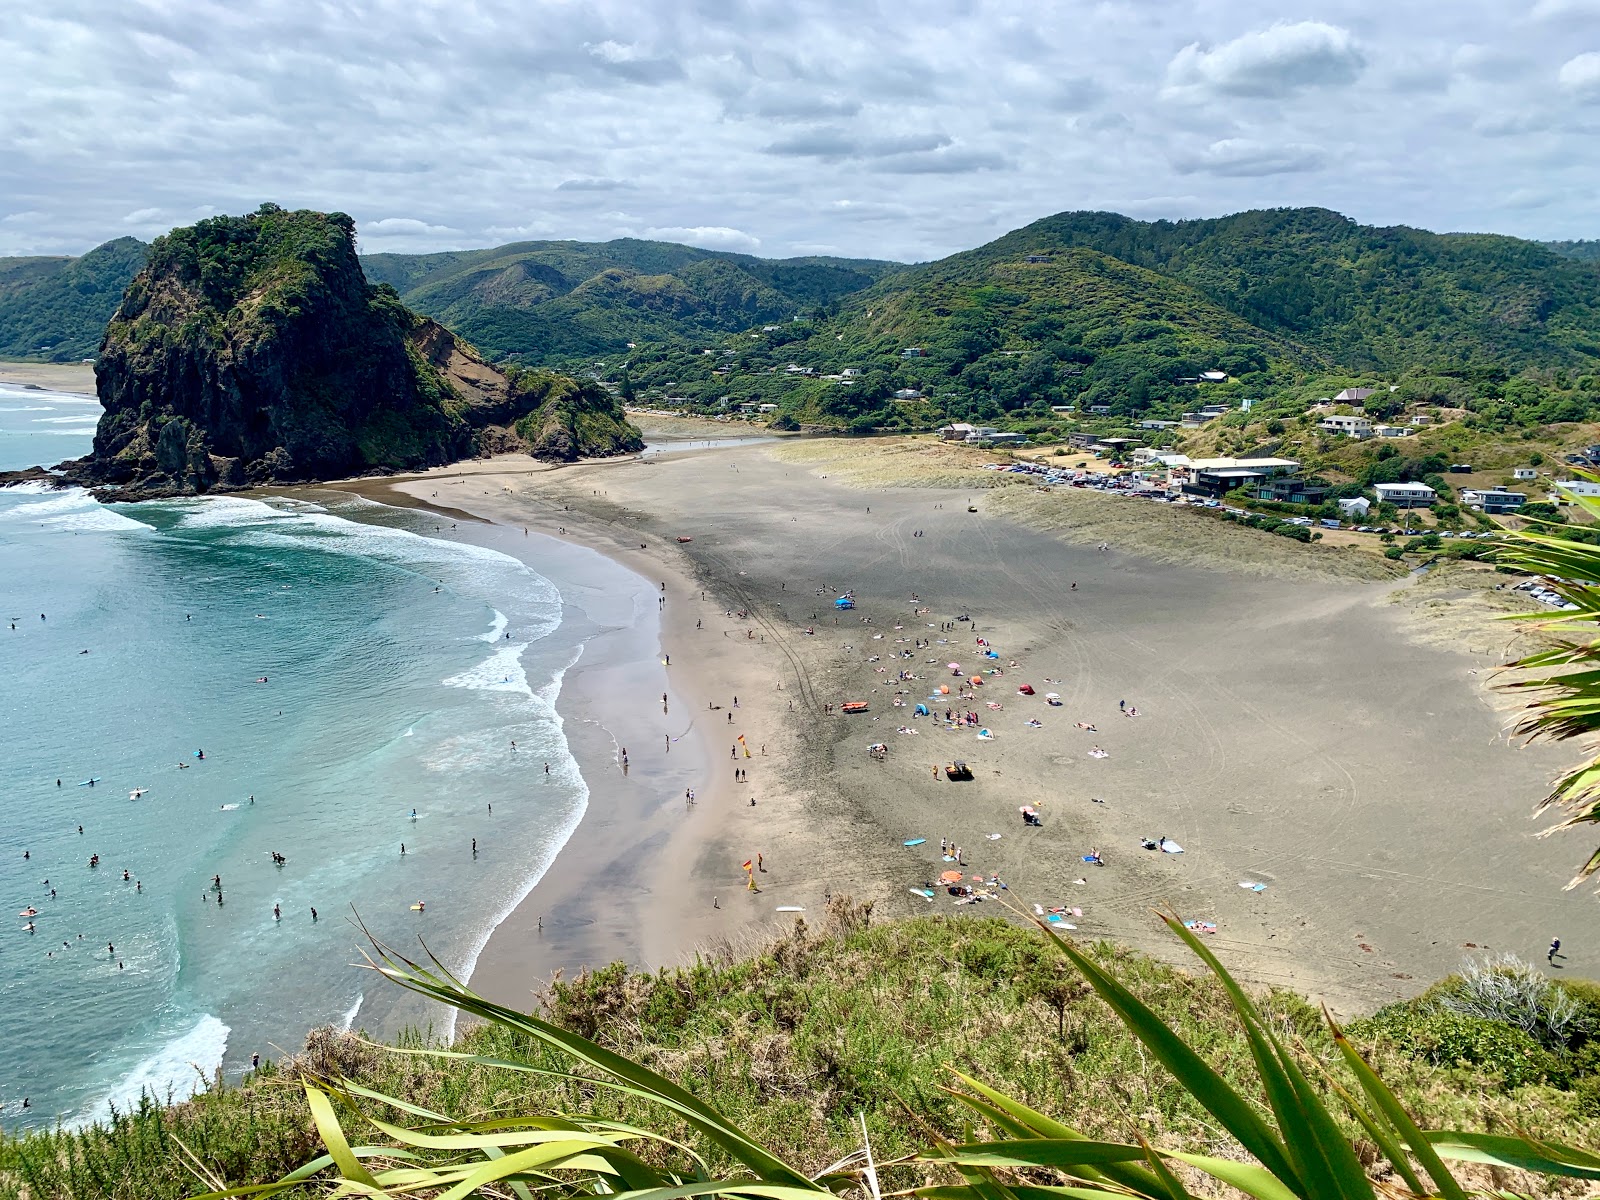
(253, 350)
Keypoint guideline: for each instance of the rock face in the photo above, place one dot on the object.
(253, 350)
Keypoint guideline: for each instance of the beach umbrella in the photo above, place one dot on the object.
(954, 666)
(950, 877)
(1052, 695)
(978, 679)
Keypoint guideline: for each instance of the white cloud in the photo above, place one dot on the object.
(454, 123)
(707, 237)
(1551, 10)
(1277, 61)
(1580, 76)
(1241, 157)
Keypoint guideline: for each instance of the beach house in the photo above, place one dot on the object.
(1405, 495)
(1213, 478)
(1356, 507)
(1349, 426)
(956, 432)
(1493, 500)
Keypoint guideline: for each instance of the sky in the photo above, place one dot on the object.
(787, 127)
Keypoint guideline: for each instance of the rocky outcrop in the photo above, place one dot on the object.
(252, 350)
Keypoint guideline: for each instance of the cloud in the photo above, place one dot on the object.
(1580, 76)
(836, 143)
(1243, 158)
(405, 227)
(707, 237)
(1552, 10)
(487, 121)
(1275, 62)
(586, 184)
(946, 161)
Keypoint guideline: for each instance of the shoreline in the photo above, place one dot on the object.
(610, 891)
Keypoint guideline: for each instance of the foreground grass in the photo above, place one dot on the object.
(791, 1044)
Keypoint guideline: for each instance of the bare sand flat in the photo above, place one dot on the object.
(53, 377)
(1294, 732)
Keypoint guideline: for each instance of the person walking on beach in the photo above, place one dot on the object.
(402, 849)
(313, 914)
(1554, 952)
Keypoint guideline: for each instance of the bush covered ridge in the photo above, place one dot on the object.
(555, 302)
(792, 1042)
(56, 309)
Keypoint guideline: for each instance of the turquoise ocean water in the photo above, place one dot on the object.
(390, 688)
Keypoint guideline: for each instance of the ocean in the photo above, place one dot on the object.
(354, 686)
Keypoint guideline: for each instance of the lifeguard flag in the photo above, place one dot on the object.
(749, 863)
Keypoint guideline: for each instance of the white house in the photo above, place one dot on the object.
(1524, 473)
(851, 373)
(1214, 376)
(1353, 395)
(1356, 427)
(1393, 431)
(1567, 490)
(1422, 419)
(1405, 495)
(908, 394)
(1355, 506)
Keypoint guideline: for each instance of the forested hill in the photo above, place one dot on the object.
(1366, 297)
(530, 301)
(1584, 250)
(57, 308)
(559, 301)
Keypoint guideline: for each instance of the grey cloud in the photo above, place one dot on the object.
(1276, 61)
(588, 184)
(948, 161)
(837, 143)
(1241, 157)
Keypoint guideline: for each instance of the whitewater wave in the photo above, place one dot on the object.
(496, 628)
(500, 672)
(177, 1071)
(348, 1021)
(287, 524)
(73, 509)
(573, 776)
(84, 419)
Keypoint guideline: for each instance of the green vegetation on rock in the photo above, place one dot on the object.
(252, 349)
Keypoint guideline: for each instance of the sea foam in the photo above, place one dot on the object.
(177, 1071)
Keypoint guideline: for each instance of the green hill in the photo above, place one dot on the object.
(56, 309)
(543, 302)
(1369, 298)
(991, 333)
(1584, 250)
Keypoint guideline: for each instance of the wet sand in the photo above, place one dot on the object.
(1293, 732)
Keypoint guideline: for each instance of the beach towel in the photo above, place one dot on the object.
(1168, 846)
(1253, 886)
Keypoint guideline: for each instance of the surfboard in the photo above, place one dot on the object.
(790, 908)
(416, 908)
(923, 892)
(914, 842)
(229, 807)
(90, 782)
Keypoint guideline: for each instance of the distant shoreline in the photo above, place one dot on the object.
(74, 378)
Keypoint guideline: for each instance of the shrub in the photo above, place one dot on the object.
(1504, 989)
(1452, 1039)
